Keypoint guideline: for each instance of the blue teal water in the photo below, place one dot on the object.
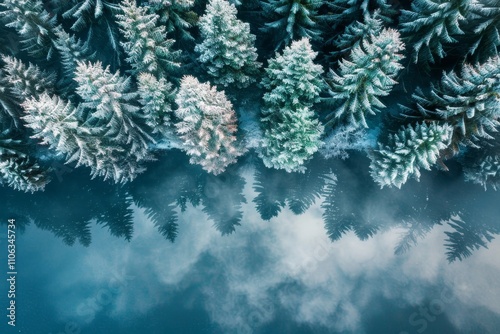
(254, 251)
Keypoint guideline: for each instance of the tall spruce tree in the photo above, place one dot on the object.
(368, 74)
(178, 17)
(109, 101)
(484, 21)
(468, 101)
(432, 24)
(71, 50)
(146, 46)
(156, 98)
(207, 125)
(33, 23)
(408, 150)
(59, 124)
(355, 32)
(292, 20)
(96, 17)
(291, 130)
(227, 49)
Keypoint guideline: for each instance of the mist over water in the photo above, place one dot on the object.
(255, 250)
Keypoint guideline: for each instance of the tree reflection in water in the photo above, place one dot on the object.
(350, 201)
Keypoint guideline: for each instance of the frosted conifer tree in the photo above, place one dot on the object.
(98, 17)
(17, 169)
(156, 97)
(27, 81)
(56, 123)
(431, 24)
(484, 20)
(207, 125)
(146, 46)
(468, 101)
(59, 124)
(71, 51)
(227, 50)
(109, 99)
(178, 17)
(485, 172)
(291, 130)
(344, 12)
(355, 32)
(368, 74)
(292, 20)
(33, 23)
(408, 150)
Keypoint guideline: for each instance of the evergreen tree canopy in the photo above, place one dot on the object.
(345, 12)
(291, 130)
(431, 24)
(33, 23)
(468, 101)
(58, 124)
(368, 74)
(355, 32)
(407, 151)
(9, 111)
(178, 17)
(484, 19)
(227, 50)
(156, 97)
(146, 46)
(110, 112)
(207, 125)
(97, 18)
(27, 81)
(291, 20)
(71, 51)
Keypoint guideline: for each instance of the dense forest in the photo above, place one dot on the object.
(107, 84)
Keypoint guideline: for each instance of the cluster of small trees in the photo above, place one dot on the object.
(129, 74)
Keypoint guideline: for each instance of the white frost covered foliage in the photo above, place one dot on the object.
(486, 172)
(366, 75)
(27, 80)
(207, 125)
(57, 123)
(431, 24)
(291, 129)
(33, 23)
(177, 16)
(227, 50)
(156, 97)
(407, 151)
(292, 20)
(356, 31)
(71, 51)
(467, 100)
(109, 99)
(111, 112)
(146, 45)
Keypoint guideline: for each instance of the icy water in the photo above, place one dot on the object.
(254, 251)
